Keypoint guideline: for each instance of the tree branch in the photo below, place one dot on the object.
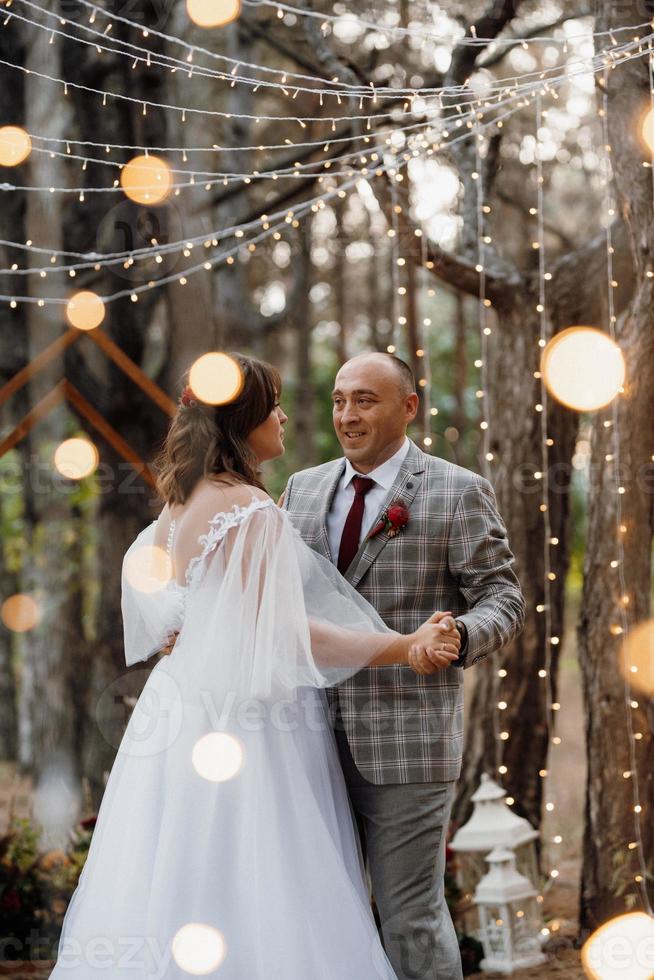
(489, 25)
(498, 56)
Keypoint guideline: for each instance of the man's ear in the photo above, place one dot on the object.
(411, 406)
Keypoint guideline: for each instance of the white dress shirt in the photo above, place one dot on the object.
(384, 477)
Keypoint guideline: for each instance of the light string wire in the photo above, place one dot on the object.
(638, 52)
(213, 176)
(370, 92)
(394, 235)
(466, 41)
(624, 626)
(499, 735)
(367, 90)
(290, 215)
(545, 673)
(140, 55)
(424, 353)
(93, 259)
(29, 299)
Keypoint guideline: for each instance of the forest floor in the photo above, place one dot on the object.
(565, 787)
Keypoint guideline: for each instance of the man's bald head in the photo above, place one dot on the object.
(374, 400)
(388, 363)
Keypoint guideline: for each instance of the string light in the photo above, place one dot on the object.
(146, 180)
(20, 613)
(198, 948)
(216, 378)
(583, 368)
(394, 235)
(546, 673)
(85, 310)
(500, 736)
(359, 90)
(466, 40)
(15, 146)
(76, 458)
(424, 353)
(597, 62)
(213, 13)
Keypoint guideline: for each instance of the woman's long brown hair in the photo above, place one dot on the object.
(206, 440)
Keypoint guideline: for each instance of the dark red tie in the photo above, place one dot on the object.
(352, 528)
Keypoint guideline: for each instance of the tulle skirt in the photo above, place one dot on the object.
(224, 846)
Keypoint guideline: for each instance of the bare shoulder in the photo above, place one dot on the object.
(215, 496)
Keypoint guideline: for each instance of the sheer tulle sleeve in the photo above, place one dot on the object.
(152, 608)
(265, 615)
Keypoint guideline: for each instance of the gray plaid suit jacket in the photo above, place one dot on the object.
(403, 727)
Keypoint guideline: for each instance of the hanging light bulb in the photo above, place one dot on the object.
(622, 947)
(583, 368)
(148, 569)
(20, 613)
(85, 310)
(217, 757)
(76, 458)
(146, 180)
(198, 948)
(213, 13)
(216, 378)
(647, 129)
(15, 146)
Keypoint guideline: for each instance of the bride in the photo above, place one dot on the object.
(224, 843)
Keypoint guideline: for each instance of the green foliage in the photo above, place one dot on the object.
(36, 887)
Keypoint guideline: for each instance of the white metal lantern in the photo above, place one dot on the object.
(509, 916)
(493, 824)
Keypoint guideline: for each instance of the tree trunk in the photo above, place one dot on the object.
(516, 444)
(124, 503)
(13, 357)
(305, 403)
(610, 867)
(50, 747)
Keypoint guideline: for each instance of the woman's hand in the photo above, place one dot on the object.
(435, 645)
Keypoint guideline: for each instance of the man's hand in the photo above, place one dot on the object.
(172, 639)
(438, 644)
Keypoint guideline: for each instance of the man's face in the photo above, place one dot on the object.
(371, 411)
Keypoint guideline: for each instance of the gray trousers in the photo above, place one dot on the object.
(403, 830)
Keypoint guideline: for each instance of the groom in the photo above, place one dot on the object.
(400, 732)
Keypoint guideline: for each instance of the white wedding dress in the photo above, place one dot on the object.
(224, 844)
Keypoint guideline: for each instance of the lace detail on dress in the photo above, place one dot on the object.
(218, 528)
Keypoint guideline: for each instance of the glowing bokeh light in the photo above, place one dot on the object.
(15, 146)
(216, 378)
(85, 310)
(583, 368)
(213, 13)
(148, 569)
(637, 657)
(198, 948)
(76, 458)
(217, 757)
(146, 180)
(622, 948)
(20, 612)
(647, 129)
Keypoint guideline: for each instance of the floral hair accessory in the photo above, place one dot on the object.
(188, 399)
(393, 520)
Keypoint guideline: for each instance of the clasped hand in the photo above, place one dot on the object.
(436, 644)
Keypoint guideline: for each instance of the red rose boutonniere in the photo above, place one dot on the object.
(394, 520)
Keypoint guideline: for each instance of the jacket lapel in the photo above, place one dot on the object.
(327, 492)
(403, 490)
